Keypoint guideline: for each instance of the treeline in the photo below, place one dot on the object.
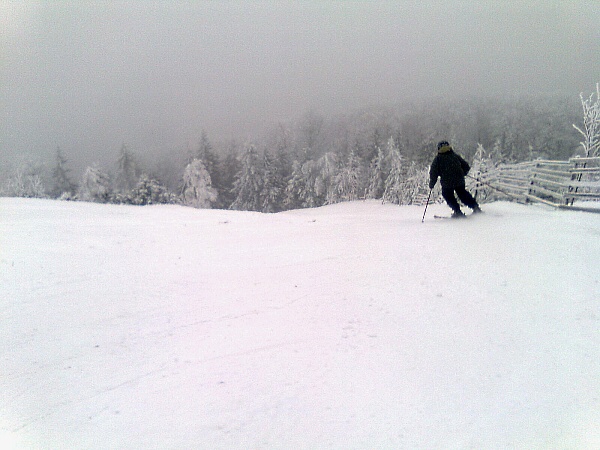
(380, 153)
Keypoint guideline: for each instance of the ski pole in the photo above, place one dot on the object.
(426, 205)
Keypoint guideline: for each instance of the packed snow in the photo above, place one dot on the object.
(348, 326)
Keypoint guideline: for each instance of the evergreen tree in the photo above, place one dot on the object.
(127, 171)
(310, 197)
(63, 186)
(272, 186)
(393, 183)
(374, 147)
(94, 186)
(415, 185)
(377, 175)
(301, 189)
(294, 187)
(347, 183)
(224, 180)
(328, 166)
(248, 185)
(206, 155)
(283, 161)
(149, 191)
(197, 186)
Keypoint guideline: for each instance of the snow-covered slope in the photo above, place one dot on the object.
(348, 326)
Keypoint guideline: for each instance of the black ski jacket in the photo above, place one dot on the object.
(450, 167)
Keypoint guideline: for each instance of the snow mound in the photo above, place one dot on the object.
(348, 326)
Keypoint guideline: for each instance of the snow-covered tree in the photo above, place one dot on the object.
(127, 171)
(27, 180)
(94, 186)
(591, 124)
(347, 184)
(394, 181)
(328, 167)
(415, 185)
(206, 154)
(294, 187)
(63, 186)
(309, 195)
(197, 186)
(224, 180)
(301, 189)
(483, 171)
(372, 148)
(283, 161)
(149, 191)
(272, 186)
(248, 185)
(480, 162)
(377, 175)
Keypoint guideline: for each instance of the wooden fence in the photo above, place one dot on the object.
(572, 184)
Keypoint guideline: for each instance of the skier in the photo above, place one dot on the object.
(452, 168)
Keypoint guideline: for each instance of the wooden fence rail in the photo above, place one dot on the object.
(556, 183)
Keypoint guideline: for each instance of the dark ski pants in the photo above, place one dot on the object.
(463, 195)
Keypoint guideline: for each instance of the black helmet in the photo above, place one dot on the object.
(443, 144)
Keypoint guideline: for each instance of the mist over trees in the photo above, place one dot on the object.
(379, 153)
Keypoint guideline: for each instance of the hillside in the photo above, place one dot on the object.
(348, 326)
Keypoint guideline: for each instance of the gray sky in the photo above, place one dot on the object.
(90, 75)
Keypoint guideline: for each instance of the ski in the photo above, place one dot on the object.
(461, 217)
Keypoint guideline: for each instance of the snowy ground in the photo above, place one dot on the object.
(348, 326)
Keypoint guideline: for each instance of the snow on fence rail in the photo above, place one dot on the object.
(555, 183)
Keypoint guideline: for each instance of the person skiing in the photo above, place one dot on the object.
(451, 168)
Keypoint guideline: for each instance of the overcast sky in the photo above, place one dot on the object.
(89, 76)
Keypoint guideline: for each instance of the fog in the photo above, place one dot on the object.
(90, 76)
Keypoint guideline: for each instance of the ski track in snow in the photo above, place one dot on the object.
(348, 326)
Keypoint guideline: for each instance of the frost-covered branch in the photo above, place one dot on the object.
(591, 124)
(26, 181)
